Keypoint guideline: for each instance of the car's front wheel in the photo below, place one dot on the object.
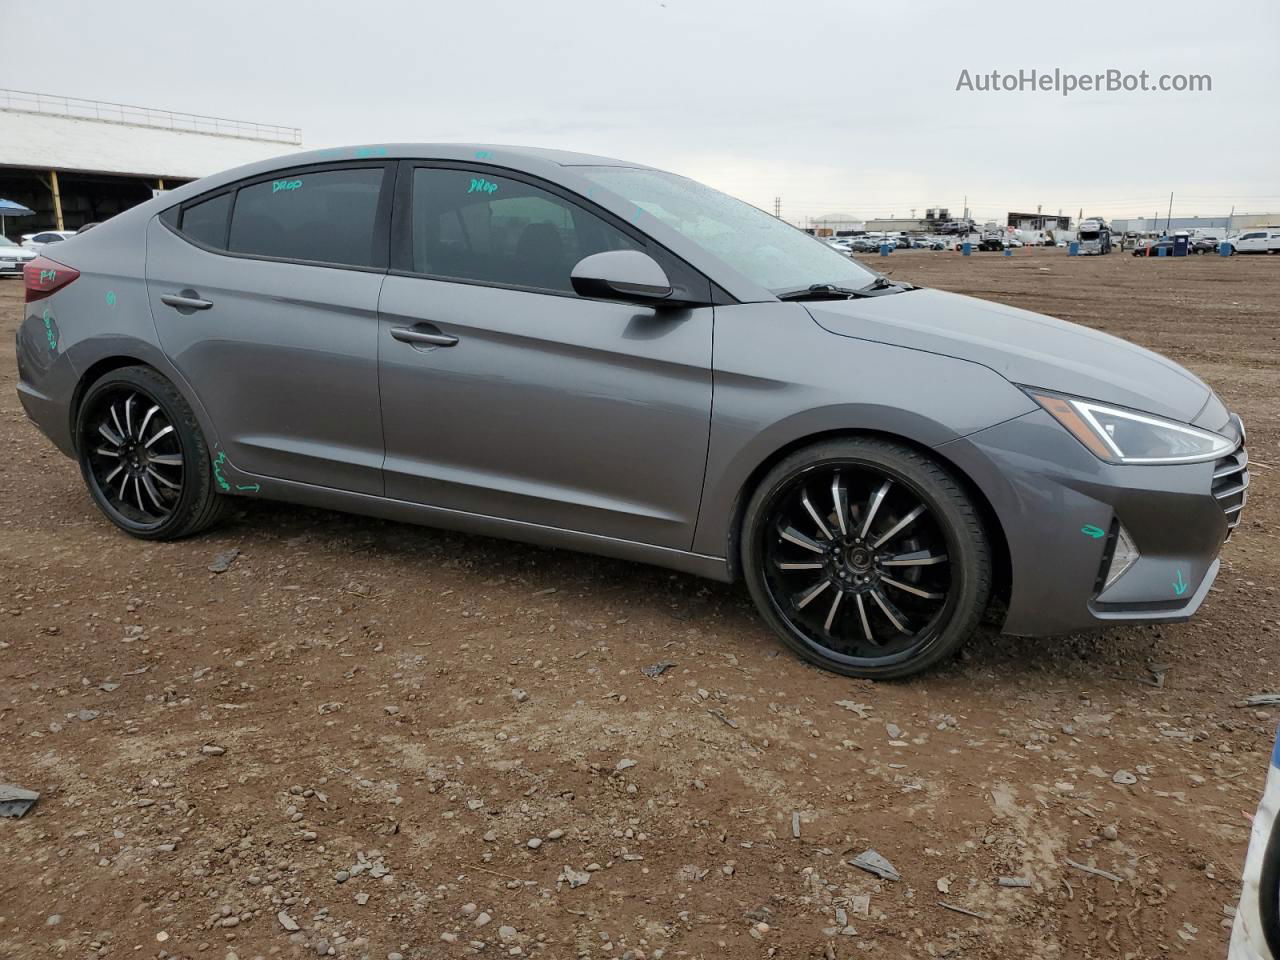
(867, 557)
(143, 456)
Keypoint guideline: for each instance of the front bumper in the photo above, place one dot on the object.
(1052, 497)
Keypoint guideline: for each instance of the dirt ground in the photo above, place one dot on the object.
(368, 740)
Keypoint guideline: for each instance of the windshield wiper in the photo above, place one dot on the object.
(884, 283)
(830, 291)
(821, 291)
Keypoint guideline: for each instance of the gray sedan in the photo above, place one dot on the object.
(585, 353)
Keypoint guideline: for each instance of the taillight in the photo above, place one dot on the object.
(43, 276)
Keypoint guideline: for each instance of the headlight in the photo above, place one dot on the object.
(1122, 436)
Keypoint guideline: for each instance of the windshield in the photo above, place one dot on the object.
(764, 249)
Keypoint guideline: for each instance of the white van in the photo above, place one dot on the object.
(1261, 240)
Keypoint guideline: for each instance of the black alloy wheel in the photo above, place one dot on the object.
(867, 557)
(143, 456)
(134, 455)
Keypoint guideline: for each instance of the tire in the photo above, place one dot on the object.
(134, 429)
(901, 577)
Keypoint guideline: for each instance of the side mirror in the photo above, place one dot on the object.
(621, 275)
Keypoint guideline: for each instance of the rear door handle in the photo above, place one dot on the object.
(185, 303)
(423, 333)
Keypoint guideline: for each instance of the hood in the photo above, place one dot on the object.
(1023, 347)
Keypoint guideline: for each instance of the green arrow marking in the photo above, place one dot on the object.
(1180, 586)
(1089, 530)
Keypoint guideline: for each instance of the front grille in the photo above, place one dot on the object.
(1231, 485)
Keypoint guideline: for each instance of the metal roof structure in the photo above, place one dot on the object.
(43, 132)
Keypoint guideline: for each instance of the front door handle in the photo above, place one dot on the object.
(423, 333)
(183, 302)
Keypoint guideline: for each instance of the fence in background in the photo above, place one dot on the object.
(25, 101)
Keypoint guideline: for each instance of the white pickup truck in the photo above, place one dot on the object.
(1260, 240)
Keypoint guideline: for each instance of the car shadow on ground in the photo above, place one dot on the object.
(726, 610)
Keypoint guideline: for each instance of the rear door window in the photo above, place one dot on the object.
(477, 226)
(322, 217)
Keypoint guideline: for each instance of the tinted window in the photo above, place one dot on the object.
(327, 217)
(494, 230)
(206, 221)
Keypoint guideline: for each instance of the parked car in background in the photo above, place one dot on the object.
(1152, 248)
(881, 460)
(1266, 240)
(37, 241)
(1013, 242)
(13, 258)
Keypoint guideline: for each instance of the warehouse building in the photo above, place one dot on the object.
(76, 161)
(1225, 224)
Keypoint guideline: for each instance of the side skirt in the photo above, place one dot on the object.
(290, 491)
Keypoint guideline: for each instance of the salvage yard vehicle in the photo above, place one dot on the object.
(42, 239)
(1256, 241)
(13, 257)
(518, 343)
(1094, 235)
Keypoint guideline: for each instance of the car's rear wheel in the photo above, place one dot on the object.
(867, 557)
(143, 456)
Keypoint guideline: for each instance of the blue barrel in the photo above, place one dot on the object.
(884, 249)
(1008, 251)
(1162, 251)
(1073, 248)
(1224, 249)
(966, 248)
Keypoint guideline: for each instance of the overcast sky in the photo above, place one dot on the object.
(837, 106)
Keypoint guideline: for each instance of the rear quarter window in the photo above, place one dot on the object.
(206, 222)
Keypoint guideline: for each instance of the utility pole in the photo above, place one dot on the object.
(1169, 219)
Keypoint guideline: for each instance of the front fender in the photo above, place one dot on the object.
(780, 379)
